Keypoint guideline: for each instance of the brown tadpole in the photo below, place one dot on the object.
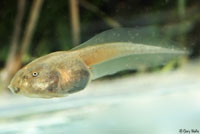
(61, 73)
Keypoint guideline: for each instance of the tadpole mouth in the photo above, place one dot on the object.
(14, 90)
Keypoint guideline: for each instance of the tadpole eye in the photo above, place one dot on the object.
(35, 74)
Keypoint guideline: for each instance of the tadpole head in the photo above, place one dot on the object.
(36, 80)
(50, 76)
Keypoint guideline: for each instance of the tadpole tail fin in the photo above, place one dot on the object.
(93, 55)
(105, 59)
